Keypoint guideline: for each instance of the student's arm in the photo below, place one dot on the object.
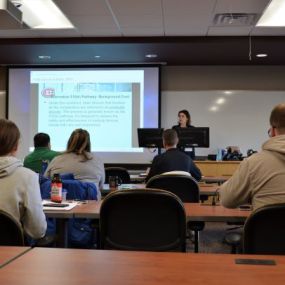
(102, 179)
(153, 169)
(34, 220)
(49, 168)
(236, 191)
(195, 171)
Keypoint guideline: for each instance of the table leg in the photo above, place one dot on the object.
(62, 232)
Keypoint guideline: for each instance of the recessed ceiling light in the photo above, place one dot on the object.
(44, 57)
(151, 55)
(228, 92)
(261, 55)
(97, 56)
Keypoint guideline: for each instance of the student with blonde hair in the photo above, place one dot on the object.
(19, 186)
(78, 160)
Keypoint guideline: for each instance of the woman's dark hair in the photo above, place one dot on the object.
(187, 114)
(79, 143)
(9, 136)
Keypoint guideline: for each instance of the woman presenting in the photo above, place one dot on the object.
(184, 121)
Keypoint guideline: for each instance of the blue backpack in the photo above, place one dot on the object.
(80, 231)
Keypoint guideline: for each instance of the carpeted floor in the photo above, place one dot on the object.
(211, 239)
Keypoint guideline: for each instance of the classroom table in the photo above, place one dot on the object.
(47, 266)
(205, 189)
(194, 212)
(136, 178)
(215, 179)
(9, 253)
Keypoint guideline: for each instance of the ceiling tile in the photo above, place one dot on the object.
(59, 33)
(184, 26)
(141, 21)
(229, 31)
(131, 7)
(93, 22)
(191, 8)
(241, 6)
(19, 33)
(187, 18)
(268, 31)
(142, 32)
(85, 7)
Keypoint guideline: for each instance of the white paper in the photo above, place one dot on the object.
(69, 207)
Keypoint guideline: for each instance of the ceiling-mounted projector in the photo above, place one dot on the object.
(10, 16)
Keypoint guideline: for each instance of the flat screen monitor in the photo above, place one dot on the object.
(194, 137)
(150, 137)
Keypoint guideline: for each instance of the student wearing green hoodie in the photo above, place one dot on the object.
(260, 179)
(19, 186)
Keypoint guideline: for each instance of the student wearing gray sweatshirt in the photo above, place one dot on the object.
(19, 187)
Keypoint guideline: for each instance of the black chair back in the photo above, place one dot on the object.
(121, 172)
(185, 187)
(11, 231)
(143, 219)
(264, 231)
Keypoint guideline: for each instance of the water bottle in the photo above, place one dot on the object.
(219, 155)
(56, 189)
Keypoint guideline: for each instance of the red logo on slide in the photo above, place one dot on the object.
(48, 92)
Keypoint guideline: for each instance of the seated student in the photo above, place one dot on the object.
(173, 159)
(78, 160)
(20, 191)
(41, 153)
(260, 178)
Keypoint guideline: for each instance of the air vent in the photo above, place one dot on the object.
(10, 16)
(235, 19)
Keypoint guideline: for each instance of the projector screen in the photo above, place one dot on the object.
(111, 103)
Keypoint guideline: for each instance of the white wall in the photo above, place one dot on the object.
(242, 120)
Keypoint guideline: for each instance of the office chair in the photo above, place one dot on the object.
(121, 172)
(187, 189)
(143, 220)
(11, 233)
(264, 231)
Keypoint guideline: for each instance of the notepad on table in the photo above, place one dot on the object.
(48, 205)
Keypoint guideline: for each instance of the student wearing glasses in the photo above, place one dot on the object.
(260, 179)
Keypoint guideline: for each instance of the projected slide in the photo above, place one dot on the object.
(102, 102)
(110, 102)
